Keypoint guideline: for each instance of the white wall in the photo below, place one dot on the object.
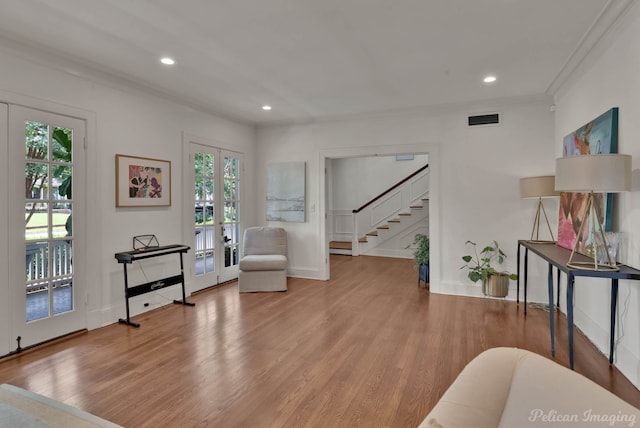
(121, 120)
(474, 178)
(358, 180)
(610, 77)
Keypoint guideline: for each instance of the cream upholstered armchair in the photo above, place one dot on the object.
(263, 266)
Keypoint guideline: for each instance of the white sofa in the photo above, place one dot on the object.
(22, 408)
(263, 266)
(510, 387)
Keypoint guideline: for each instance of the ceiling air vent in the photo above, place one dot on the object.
(484, 119)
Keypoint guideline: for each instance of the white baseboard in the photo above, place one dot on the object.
(305, 273)
(624, 359)
(110, 314)
(100, 318)
(389, 252)
(468, 290)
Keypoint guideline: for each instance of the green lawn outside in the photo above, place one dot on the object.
(38, 223)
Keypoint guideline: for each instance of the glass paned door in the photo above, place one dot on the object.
(231, 221)
(48, 219)
(216, 214)
(204, 213)
(47, 153)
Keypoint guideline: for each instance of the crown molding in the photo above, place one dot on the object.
(611, 13)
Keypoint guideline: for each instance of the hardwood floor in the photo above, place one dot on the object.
(367, 348)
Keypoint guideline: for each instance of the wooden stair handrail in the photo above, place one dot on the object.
(400, 183)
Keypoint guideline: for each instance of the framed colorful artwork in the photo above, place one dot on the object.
(142, 182)
(598, 136)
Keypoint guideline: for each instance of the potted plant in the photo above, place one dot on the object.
(481, 267)
(421, 257)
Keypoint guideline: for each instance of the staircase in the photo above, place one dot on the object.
(341, 247)
(386, 225)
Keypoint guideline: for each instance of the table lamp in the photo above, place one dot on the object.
(539, 187)
(601, 173)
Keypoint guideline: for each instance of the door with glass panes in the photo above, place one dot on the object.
(46, 211)
(216, 180)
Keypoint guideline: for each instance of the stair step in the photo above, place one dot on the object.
(363, 239)
(383, 226)
(339, 252)
(395, 220)
(425, 199)
(416, 207)
(404, 214)
(373, 233)
(340, 245)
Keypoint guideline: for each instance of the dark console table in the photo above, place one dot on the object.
(558, 257)
(128, 257)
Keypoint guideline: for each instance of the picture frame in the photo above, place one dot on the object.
(142, 182)
(286, 186)
(598, 136)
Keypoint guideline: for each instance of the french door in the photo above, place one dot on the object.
(214, 182)
(46, 218)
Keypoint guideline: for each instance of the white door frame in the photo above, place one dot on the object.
(434, 206)
(94, 259)
(187, 204)
(42, 330)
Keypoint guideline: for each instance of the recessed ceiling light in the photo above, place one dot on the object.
(489, 79)
(266, 107)
(167, 61)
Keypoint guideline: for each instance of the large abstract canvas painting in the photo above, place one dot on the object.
(598, 136)
(285, 191)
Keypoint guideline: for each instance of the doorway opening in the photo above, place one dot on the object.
(328, 231)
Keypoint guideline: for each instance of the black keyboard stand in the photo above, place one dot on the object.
(128, 257)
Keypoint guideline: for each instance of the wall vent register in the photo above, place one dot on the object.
(484, 119)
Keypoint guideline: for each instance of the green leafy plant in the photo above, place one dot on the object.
(480, 264)
(421, 253)
(62, 149)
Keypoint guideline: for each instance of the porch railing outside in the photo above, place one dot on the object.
(37, 264)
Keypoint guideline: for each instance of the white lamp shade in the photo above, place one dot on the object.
(602, 173)
(538, 187)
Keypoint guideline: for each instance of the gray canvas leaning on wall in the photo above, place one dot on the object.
(285, 191)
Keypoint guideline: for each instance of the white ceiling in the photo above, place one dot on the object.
(318, 59)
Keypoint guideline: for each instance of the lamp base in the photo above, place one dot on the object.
(610, 265)
(536, 226)
(593, 267)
